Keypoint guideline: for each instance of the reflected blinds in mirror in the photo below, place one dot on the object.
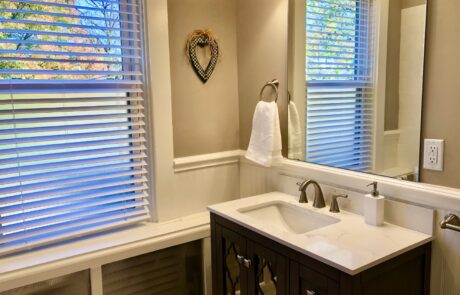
(339, 83)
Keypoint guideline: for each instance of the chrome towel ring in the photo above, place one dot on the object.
(274, 84)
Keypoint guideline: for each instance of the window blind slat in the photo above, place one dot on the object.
(66, 15)
(67, 212)
(126, 124)
(349, 161)
(73, 145)
(65, 225)
(343, 113)
(72, 172)
(70, 190)
(336, 137)
(338, 105)
(70, 180)
(62, 24)
(19, 101)
(72, 138)
(66, 34)
(337, 150)
(61, 109)
(113, 116)
(72, 163)
(119, 191)
(64, 44)
(70, 6)
(79, 154)
(70, 53)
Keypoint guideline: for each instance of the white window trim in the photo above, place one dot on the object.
(381, 8)
(158, 109)
(61, 259)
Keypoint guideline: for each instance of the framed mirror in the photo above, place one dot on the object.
(355, 82)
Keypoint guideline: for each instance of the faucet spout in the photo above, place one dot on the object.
(318, 201)
(303, 194)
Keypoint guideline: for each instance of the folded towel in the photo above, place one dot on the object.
(265, 143)
(294, 133)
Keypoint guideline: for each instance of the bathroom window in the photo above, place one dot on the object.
(72, 146)
(339, 81)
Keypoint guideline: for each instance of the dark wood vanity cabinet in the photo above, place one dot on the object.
(239, 263)
(247, 263)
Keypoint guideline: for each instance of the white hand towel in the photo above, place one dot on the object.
(294, 133)
(265, 143)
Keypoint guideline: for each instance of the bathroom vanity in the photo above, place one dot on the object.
(271, 244)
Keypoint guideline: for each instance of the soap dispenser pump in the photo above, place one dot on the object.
(374, 205)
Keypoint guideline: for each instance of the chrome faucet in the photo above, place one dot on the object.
(318, 201)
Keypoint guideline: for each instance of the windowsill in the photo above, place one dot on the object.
(105, 248)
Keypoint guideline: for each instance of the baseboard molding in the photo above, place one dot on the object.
(207, 160)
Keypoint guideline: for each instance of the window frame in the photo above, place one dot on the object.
(148, 111)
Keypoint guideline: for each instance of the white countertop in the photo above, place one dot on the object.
(349, 245)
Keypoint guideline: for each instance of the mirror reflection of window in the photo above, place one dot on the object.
(355, 75)
(339, 81)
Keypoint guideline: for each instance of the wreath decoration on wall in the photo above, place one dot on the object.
(202, 38)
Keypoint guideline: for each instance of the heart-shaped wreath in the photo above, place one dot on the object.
(202, 38)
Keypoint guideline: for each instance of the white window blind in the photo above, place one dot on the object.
(72, 146)
(339, 82)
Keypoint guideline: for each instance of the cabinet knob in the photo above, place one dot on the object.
(311, 292)
(247, 263)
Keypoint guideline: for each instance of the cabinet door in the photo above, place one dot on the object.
(268, 274)
(230, 274)
(305, 281)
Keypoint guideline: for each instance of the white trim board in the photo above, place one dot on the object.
(207, 160)
(423, 194)
(158, 109)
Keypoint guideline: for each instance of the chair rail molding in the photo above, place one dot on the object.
(207, 160)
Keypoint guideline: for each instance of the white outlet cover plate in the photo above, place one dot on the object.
(433, 154)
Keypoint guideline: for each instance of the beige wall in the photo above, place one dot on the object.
(262, 56)
(441, 102)
(392, 77)
(205, 116)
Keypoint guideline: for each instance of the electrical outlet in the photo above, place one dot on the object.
(433, 154)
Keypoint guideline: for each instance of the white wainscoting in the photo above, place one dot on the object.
(445, 271)
(203, 180)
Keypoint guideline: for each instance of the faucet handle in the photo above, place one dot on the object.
(334, 204)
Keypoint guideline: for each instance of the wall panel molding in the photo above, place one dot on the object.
(207, 160)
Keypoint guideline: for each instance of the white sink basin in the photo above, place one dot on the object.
(287, 217)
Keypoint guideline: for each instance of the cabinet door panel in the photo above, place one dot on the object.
(232, 278)
(305, 281)
(269, 272)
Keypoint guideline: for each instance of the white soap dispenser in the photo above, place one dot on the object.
(374, 205)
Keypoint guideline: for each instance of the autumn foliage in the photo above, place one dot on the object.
(47, 38)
